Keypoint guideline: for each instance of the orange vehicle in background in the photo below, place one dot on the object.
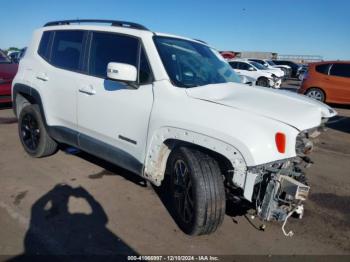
(328, 81)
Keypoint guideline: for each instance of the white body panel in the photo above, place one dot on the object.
(115, 110)
(225, 117)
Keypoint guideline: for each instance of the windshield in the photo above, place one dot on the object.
(3, 58)
(270, 63)
(191, 64)
(258, 66)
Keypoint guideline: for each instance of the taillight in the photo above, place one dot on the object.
(280, 140)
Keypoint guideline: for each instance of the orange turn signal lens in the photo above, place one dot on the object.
(280, 140)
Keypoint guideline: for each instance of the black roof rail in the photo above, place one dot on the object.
(112, 22)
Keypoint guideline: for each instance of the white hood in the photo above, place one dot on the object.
(293, 109)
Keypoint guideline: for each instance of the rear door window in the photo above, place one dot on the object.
(342, 70)
(67, 49)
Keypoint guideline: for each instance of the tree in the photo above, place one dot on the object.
(11, 49)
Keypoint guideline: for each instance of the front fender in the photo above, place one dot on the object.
(159, 151)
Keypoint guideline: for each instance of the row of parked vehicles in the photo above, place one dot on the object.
(17, 55)
(171, 110)
(266, 72)
(327, 81)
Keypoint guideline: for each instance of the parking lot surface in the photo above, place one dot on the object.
(75, 203)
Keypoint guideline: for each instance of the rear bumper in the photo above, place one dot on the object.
(303, 87)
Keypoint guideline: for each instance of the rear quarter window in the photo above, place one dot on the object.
(43, 50)
(322, 69)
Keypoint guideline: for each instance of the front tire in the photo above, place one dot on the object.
(262, 81)
(197, 191)
(33, 135)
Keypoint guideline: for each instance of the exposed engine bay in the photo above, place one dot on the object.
(281, 187)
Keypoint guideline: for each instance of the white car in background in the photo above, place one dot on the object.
(278, 71)
(261, 75)
(287, 70)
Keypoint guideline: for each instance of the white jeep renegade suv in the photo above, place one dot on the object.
(169, 109)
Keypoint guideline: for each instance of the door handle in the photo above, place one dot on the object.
(88, 90)
(42, 77)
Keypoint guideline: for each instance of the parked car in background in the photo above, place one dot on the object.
(261, 75)
(294, 66)
(16, 56)
(302, 72)
(328, 82)
(270, 65)
(8, 71)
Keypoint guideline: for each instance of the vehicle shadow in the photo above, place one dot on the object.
(233, 209)
(109, 169)
(340, 123)
(340, 106)
(7, 120)
(55, 230)
(5, 106)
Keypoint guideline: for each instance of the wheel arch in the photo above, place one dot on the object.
(22, 94)
(166, 139)
(262, 77)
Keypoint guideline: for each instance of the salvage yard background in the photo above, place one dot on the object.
(75, 203)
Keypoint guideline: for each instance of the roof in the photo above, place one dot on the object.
(111, 26)
(111, 22)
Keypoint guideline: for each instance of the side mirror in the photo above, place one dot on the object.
(251, 68)
(121, 72)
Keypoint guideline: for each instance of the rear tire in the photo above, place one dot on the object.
(197, 191)
(33, 135)
(316, 93)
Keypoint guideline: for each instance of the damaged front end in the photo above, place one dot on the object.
(280, 190)
(281, 187)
